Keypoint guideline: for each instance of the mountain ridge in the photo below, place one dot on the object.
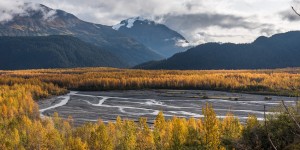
(54, 51)
(277, 51)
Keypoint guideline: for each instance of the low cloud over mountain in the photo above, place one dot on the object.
(196, 20)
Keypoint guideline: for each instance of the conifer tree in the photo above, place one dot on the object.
(75, 144)
(231, 130)
(211, 129)
(231, 127)
(119, 132)
(101, 139)
(251, 122)
(159, 131)
(145, 139)
(179, 133)
(128, 141)
(194, 133)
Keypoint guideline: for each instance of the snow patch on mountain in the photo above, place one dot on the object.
(129, 23)
(118, 26)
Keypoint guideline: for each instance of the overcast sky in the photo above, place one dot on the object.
(200, 21)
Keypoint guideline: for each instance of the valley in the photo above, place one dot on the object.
(133, 104)
(149, 75)
(76, 106)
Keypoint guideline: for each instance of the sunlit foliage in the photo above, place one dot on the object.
(22, 128)
(280, 81)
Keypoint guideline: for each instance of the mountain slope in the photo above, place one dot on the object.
(38, 20)
(158, 37)
(55, 51)
(278, 51)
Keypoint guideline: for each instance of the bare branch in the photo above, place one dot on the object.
(291, 115)
(266, 128)
(295, 133)
(295, 11)
(269, 138)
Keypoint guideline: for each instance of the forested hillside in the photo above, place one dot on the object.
(278, 51)
(52, 52)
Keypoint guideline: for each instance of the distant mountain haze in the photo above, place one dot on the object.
(40, 20)
(278, 51)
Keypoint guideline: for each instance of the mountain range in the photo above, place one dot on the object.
(278, 51)
(40, 20)
(41, 37)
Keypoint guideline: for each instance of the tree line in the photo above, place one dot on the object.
(279, 82)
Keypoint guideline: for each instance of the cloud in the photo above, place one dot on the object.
(289, 15)
(295, 3)
(15, 8)
(204, 20)
(49, 15)
(198, 20)
(198, 28)
(8, 9)
(184, 43)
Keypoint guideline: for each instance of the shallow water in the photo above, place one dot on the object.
(107, 105)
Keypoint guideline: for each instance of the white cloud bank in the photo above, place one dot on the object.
(200, 21)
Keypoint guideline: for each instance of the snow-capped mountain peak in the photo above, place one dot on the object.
(129, 23)
(158, 37)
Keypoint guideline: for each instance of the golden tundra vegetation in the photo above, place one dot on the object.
(21, 126)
